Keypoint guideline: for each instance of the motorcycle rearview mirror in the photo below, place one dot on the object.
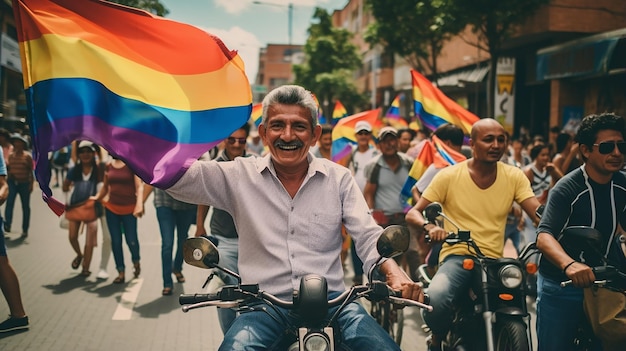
(432, 211)
(201, 252)
(581, 237)
(393, 241)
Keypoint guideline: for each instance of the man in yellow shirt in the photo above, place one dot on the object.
(477, 194)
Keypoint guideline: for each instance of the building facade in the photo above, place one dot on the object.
(12, 98)
(568, 60)
(275, 67)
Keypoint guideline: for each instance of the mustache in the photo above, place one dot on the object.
(281, 143)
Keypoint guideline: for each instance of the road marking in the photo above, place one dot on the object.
(124, 309)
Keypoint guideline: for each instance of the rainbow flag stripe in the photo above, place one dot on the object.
(321, 119)
(339, 112)
(343, 133)
(434, 108)
(154, 92)
(393, 113)
(256, 116)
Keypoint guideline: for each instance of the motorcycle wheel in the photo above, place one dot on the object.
(512, 336)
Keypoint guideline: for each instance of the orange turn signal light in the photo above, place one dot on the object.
(531, 268)
(468, 264)
(506, 297)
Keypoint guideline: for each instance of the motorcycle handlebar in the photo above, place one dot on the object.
(595, 282)
(191, 301)
(607, 274)
(188, 299)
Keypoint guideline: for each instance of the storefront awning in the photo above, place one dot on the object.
(589, 56)
(459, 79)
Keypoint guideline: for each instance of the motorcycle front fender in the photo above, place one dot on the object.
(510, 311)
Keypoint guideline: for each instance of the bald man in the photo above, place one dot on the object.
(477, 194)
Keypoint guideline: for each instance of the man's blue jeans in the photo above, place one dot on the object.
(23, 190)
(129, 224)
(258, 331)
(229, 254)
(559, 312)
(450, 281)
(171, 220)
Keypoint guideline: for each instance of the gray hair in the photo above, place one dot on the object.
(291, 95)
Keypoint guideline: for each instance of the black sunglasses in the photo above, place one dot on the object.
(232, 140)
(606, 147)
(363, 132)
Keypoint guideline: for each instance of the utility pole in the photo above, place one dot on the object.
(289, 16)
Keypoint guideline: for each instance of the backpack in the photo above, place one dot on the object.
(376, 171)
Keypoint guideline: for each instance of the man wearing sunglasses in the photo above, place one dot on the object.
(593, 195)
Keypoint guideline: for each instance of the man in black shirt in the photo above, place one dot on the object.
(593, 195)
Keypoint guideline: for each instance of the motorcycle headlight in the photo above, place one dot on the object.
(511, 276)
(316, 342)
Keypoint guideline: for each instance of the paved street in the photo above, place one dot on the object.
(69, 312)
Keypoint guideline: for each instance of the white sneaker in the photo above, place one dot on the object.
(102, 274)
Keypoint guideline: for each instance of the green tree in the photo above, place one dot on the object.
(153, 6)
(416, 30)
(494, 21)
(330, 60)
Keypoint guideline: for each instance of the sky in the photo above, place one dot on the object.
(245, 26)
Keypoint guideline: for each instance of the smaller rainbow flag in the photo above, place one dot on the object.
(434, 108)
(339, 112)
(344, 136)
(393, 113)
(257, 114)
(321, 119)
(434, 152)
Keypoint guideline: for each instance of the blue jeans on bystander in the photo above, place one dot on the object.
(171, 221)
(127, 224)
(23, 190)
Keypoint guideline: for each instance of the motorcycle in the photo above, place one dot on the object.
(310, 302)
(493, 314)
(579, 241)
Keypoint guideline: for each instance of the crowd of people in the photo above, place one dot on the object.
(316, 211)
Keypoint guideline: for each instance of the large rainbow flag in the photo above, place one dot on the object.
(339, 112)
(153, 92)
(434, 152)
(393, 113)
(343, 133)
(434, 108)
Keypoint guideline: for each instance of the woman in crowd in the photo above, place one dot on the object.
(83, 180)
(124, 206)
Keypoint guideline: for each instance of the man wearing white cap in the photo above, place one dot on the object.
(363, 152)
